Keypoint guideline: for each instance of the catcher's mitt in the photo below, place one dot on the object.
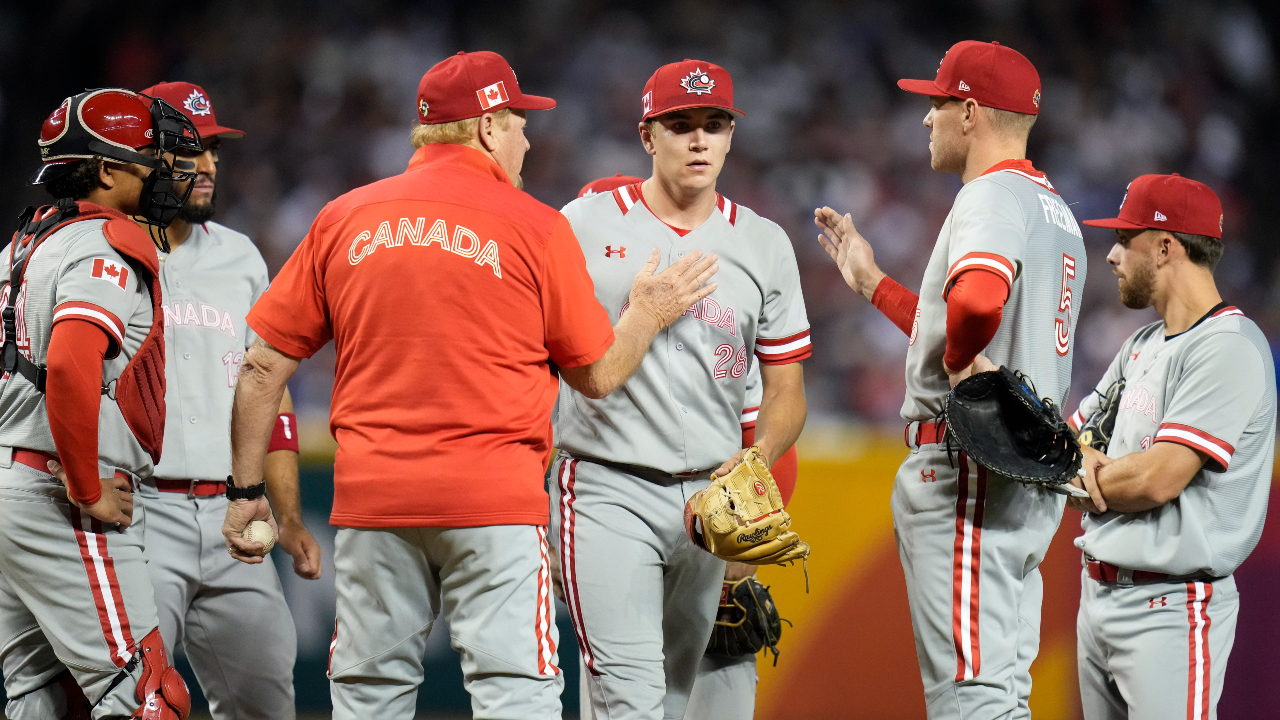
(747, 621)
(740, 518)
(1096, 432)
(999, 421)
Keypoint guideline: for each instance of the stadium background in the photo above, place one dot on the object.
(325, 90)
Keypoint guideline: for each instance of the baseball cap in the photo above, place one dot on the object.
(469, 85)
(996, 76)
(603, 185)
(194, 102)
(1168, 202)
(688, 84)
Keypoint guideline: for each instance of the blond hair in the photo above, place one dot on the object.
(458, 132)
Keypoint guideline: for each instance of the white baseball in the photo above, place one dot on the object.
(260, 531)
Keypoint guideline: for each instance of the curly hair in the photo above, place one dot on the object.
(76, 183)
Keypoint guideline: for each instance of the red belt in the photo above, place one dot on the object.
(192, 488)
(927, 432)
(34, 459)
(1106, 572)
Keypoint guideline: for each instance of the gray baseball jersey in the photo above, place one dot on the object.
(209, 283)
(1212, 389)
(208, 603)
(1013, 222)
(680, 412)
(971, 543)
(75, 273)
(72, 590)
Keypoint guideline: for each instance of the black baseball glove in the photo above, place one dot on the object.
(1096, 432)
(747, 621)
(998, 419)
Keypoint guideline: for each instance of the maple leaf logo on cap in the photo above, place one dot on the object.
(197, 104)
(698, 83)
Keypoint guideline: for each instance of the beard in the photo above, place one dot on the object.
(1137, 289)
(197, 213)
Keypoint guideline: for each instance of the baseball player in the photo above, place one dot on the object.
(210, 604)
(724, 687)
(641, 595)
(82, 414)
(1001, 288)
(1179, 498)
(454, 300)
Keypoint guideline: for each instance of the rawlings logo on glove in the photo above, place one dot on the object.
(740, 518)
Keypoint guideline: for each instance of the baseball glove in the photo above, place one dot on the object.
(1000, 422)
(747, 621)
(740, 517)
(1096, 431)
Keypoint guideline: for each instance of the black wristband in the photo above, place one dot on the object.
(249, 493)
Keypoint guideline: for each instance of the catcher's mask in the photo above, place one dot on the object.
(114, 124)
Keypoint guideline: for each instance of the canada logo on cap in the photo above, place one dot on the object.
(698, 83)
(197, 104)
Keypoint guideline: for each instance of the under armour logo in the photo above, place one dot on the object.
(1163, 600)
(929, 475)
(609, 251)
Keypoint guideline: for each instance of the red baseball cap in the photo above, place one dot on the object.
(688, 84)
(996, 76)
(1168, 202)
(194, 102)
(469, 85)
(604, 185)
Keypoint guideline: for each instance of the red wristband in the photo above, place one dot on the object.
(284, 436)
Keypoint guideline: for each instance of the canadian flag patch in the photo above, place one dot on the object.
(111, 271)
(495, 94)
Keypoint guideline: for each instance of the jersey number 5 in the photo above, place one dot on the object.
(1062, 325)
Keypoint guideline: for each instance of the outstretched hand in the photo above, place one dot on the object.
(852, 253)
(666, 296)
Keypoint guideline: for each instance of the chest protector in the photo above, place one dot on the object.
(139, 391)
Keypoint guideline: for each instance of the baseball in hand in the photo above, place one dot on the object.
(260, 531)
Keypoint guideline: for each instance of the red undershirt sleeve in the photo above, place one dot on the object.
(897, 303)
(975, 305)
(74, 395)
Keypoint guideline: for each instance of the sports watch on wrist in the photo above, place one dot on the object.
(246, 493)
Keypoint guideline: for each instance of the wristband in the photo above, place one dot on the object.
(248, 493)
(284, 436)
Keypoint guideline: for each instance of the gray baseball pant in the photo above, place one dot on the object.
(74, 595)
(970, 546)
(215, 607)
(725, 689)
(493, 584)
(641, 595)
(1154, 651)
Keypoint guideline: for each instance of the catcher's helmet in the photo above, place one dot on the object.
(114, 124)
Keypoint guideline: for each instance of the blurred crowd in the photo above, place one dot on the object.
(325, 91)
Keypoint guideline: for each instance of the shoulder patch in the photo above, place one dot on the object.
(114, 272)
(627, 196)
(727, 208)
